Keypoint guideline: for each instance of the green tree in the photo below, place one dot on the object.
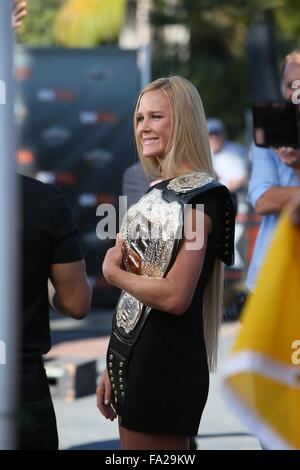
(288, 25)
(74, 23)
(37, 29)
(218, 61)
(88, 23)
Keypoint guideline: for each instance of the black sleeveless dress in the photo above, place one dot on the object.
(167, 377)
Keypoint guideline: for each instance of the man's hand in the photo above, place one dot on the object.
(289, 156)
(295, 211)
(20, 11)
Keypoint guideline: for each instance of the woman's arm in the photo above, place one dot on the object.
(104, 397)
(173, 293)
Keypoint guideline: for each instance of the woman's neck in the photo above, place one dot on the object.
(166, 175)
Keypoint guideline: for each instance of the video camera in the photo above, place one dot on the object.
(276, 124)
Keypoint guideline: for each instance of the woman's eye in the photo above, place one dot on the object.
(139, 119)
(156, 116)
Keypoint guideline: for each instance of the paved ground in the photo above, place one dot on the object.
(80, 424)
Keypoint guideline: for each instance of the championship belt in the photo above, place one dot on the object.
(151, 230)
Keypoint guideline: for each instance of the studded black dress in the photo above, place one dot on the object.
(162, 387)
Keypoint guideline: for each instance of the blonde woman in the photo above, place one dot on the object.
(168, 262)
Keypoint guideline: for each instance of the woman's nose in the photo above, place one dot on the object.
(145, 124)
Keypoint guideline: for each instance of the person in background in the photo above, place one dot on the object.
(135, 183)
(165, 327)
(275, 178)
(229, 158)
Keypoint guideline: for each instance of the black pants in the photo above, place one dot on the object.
(37, 422)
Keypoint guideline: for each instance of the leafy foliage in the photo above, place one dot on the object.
(288, 23)
(37, 28)
(217, 62)
(89, 23)
(74, 23)
(216, 57)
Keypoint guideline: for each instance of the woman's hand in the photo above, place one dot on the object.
(20, 11)
(113, 260)
(104, 399)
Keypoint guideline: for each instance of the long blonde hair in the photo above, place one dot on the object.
(188, 145)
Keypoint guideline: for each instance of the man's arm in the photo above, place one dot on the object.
(266, 192)
(295, 211)
(72, 289)
(275, 199)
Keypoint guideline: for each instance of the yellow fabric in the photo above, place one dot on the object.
(271, 332)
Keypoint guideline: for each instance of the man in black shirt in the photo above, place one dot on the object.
(50, 249)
